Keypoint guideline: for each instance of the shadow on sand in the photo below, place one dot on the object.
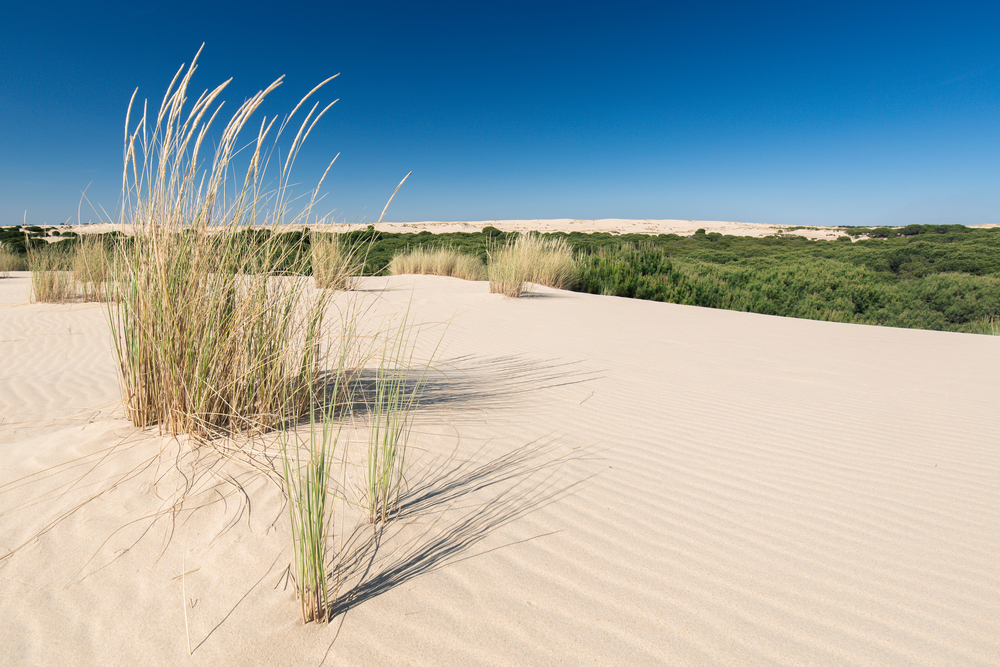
(448, 510)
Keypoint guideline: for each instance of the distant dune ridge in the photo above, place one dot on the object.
(611, 225)
(595, 480)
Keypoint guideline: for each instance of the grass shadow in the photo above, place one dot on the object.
(481, 382)
(434, 529)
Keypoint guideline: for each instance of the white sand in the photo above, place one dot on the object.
(610, 225)
(619, 226)
(599, 481)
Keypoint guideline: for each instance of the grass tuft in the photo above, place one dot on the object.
(10, 260)
(531, 258)
(438, 262)
(307, 470)
(91, 268)
(51, 275)
(397, 390)
(210, 338)
(335, 262)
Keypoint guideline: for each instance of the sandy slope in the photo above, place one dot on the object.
(599, 481)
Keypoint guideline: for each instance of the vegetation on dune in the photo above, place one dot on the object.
(11, 260)
(335, 261)
(438, 262)
(219, 334)
(531, 258)
(940, 277)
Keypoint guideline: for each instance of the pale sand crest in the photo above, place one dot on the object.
(610, 225)
(599, 481)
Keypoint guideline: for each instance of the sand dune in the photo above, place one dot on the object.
(610, 225)
(598, 481)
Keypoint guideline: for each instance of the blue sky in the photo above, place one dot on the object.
(799, 113)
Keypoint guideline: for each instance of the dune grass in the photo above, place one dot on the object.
(209, 339)
(51, 275)
(216, 337)
(335, 261)
(91, 267)
(531, 258)
(438, 262)
(396, 393)
(307, 468)
(10, 261)
(70, 271)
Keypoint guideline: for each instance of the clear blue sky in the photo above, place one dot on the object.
(799, 113)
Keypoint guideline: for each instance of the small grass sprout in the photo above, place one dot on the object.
(306, 468)
(396, 394)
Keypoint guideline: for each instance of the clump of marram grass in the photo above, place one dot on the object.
(531, 258)
(438, 262)
(209, 340)
(91, 267)
(335, 262)
(51, 275)
(10, 261)
(77, 271)
(216, 336)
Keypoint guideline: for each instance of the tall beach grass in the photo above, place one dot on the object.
(209, 340)
(51, 275)
(218, 337)
(70, 271)
(91, 263)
